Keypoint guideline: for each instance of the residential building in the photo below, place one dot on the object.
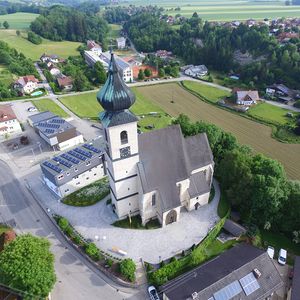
(246, 97)
(26, 84)
(121, 42)
(57, 132)
(9, 123)
(282, 93)
(54, 71)
(125, 68)
(67, 172)
(295, 288)
(156, 174)
(94, 47)
(50, 58)
(242, 273)
(65, 83)
(163, 54)
(196, 71)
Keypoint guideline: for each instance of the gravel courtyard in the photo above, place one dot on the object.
(150, 245)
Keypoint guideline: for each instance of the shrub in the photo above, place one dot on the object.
(109, 262)
(77, 240)
(92, 251)
(63, 223)
(127, 269)
(69, 231)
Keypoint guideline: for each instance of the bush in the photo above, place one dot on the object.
(297, 104)
(92, 251)
(63, 223)
(77, 240)
(34, 38)
(109, 262)
(127, 269)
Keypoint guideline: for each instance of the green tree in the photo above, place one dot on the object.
(27, 264)
(63, 223)
(161, 72)
(80, 81)
(128, 268)
(5, 25)
(147, 72)
(99, 73)
(141, 75)
(18, 32)
(92, 251)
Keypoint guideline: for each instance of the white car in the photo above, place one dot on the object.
(153, 293)
(271, 252)
(282, 256)
(32, 109)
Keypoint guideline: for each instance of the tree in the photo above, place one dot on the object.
(99, 73)
(81, 82)
(92, 251)
(5, 25)
(18, 32)
(26, 264)
(161, 72)
(63, 223)
(34, 38)
(141, 75)
(147, 72)
(128, 268)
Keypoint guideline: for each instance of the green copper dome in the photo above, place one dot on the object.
(115, 95)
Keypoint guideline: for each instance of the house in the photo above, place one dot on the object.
(295, 288)
(282, 93)
(54, 71)
(26, 84)
(132, 61)
(65, 83)
(242, 273)
(157, 174)
(163, 54)
(124, 67)
(246, 97)
(69, 171)
(94, 47)
(57, 132)
(9, 123)
(196, 71)
(121, 42)
(50, 58)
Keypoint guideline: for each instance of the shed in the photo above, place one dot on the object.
(234, 228)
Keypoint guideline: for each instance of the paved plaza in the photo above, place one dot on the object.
(151, 245)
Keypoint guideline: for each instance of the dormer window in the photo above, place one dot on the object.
(124, 137)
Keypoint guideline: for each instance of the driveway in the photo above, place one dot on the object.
(151, 245)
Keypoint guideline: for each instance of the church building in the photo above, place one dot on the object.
(157, 174)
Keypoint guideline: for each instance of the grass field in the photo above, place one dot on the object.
(114, 31)
(248, 132)
(5, 75)
(208, 92)
(48, 104)
(18, 20)
(20, 43)
(226, 10)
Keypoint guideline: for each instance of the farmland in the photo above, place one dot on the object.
(48, 104)
(18, 20)
(221, 10)
(248, 132)
(21, 44)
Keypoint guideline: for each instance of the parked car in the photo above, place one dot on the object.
(271, 251)
(282, 256)
(153, 293)
(32, 109)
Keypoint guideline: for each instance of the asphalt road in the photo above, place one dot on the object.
(76, 278)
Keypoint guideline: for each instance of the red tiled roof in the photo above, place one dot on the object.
(6, 113)
(64, 81)
(30, 78)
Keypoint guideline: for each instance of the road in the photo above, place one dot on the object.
(76, 277)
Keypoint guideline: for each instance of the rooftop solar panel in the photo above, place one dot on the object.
(249, 284)
(229, 291)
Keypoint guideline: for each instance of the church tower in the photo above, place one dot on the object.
(120, 132)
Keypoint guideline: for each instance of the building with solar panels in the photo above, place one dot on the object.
(67, 172)
(242, 273)
(57, 132)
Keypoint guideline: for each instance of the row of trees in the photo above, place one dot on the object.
(7, 7)
(255, 185)
(215, 45)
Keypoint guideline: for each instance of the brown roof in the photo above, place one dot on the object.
(6, 113)
(64, 81)
(247, 95)
(25, 79)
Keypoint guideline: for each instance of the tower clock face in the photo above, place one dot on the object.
(125, 152)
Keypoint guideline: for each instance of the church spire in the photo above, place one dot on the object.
(115, 95)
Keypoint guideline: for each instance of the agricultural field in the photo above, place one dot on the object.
(48, 104)
(18, 20)
(222, 10)
(248, 132)
(20, 43)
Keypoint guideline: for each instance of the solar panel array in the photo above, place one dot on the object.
(63, 162)
(77, 155)
(49, 125)
(82, 152)
(92, 148)
(249, 284)
(229, 291)
(49, 131)
(70, 158)
(53, 167)
(59, 121)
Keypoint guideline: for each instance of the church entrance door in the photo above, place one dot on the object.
(171, 217)
(197, 205)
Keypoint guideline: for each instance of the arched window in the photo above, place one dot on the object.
(124, 137)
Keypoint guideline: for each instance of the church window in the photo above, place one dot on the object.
(153, 199)
(124, 137)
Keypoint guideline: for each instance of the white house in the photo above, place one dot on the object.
(156, 174)
(246, 97)
(26, 84)
(196, 71)
(9, 123)
(49, 58)
(121, 42)
(54, 71)
(94, 47)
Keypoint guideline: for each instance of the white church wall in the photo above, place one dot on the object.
(202, 200)
(177, 209)
(126, 206)
(149, 211)
(125, 187)
(183, 190)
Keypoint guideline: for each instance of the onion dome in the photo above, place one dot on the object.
(115, 95)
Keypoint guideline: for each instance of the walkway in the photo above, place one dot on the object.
(94, 222)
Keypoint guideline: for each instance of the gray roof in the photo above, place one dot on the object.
(296, 280)
(198, 185)
(166, 158)
(234, 228)
(109, 119)
(45, 115)
(105, 56)
(228, 268)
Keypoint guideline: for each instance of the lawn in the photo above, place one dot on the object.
(271, 113)
(18, 20)
(48, 104)
(20, 43)
(248, 132)
(209, 93)
(114, 31)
